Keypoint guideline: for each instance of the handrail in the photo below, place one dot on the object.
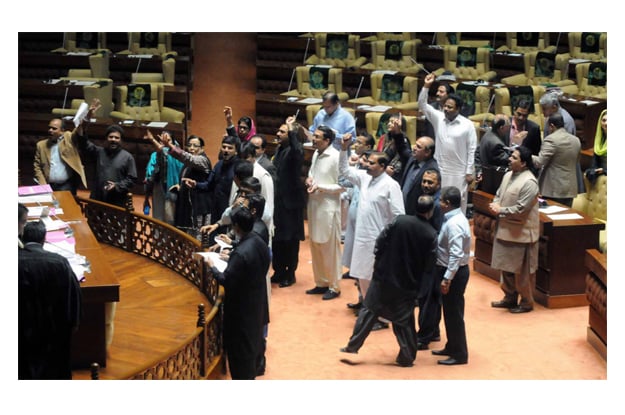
(202, 355)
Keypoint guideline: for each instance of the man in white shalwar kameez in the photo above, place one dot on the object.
(380, 201)
(456, 140)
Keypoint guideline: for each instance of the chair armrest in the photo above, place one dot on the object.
(172, 115)
(516, 80)
(120, 115)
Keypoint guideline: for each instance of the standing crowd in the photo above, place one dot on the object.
(399, 210)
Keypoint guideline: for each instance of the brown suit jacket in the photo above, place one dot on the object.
(519, 221)
(68, 148)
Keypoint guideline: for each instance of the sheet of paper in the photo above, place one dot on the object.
(378, 108)
(222, 244)
(310, 101)
(157, 124)
(34, 190)
(53, 224)
(219, 263)
(43, 198)
(552, 209)
(565, 216)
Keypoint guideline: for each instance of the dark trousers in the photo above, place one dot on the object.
(566, 201)
(394, 306)
(68, 185)
(429, 308)
(285, 258)
(453, 313)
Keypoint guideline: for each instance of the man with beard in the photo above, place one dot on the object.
(116, 172)
(220, 185)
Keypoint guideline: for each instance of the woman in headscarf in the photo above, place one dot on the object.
(245, 128)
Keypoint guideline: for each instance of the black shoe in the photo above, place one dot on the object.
(348, 350)
(330, 295)
(521, 309)
(275, 279)
(403, 364)
(441, 352)
(379, 325)
(317, 290)
(347, 276)
(260, 367)
(286, 283)
(354, 306)
(422, 346)
(503, 304)
(451, 361)
(436, 339)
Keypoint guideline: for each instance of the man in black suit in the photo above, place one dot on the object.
(420, 159)
(49, 308)
(290, 201)
(246, 310)
(491, 158)
(404, 252)
(524, 132)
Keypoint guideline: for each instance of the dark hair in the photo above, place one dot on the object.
(434, 171)
(34, 232)
(232, 140)
(243, 169)
(243, 218)
(257, 203)
(457, 99)
(198, 138)
(114, 128)
(523, 104)
(425, 203)
(382, 157)
(332, 96)
(22, 211)
(247, 150)
(498, 123)
(448, 87)
(251, 183)
(247, 120)
(451, 194)
(557, 120)
(328, 133)
(370, 139)
(525, 155)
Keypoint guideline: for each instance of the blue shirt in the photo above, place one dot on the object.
(340, 121)
(454, 243)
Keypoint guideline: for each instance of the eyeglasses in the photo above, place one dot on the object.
(193, 145)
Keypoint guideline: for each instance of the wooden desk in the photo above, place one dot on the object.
(585, 116)
(100, 287)
(33, 127)
(560, 279)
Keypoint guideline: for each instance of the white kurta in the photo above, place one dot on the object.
(380, 201)
(456, 142)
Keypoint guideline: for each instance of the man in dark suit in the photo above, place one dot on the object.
(290, 201)
(491, 158)
(49, 307)
(246, 309)
(524, 132)
(420, 159)
(260, 143)
(404, 251)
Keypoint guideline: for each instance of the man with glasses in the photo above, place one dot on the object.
(334, 116)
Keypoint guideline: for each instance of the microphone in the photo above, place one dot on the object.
(420, 65)
(291, 81)
(65, 99)
(362, 78)
(138, 64)
(558, 42)
(306, 51)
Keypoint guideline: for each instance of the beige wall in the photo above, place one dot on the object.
(224, 73)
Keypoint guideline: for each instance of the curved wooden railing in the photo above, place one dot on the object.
(202, 356)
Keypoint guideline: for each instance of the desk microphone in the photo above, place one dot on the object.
(138, 64)
(362, 78)
(558, 42)
(291, 81)
(434, 39)
(306, 51)
(65, 99)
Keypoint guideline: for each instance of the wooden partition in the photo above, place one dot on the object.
(202, 356)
